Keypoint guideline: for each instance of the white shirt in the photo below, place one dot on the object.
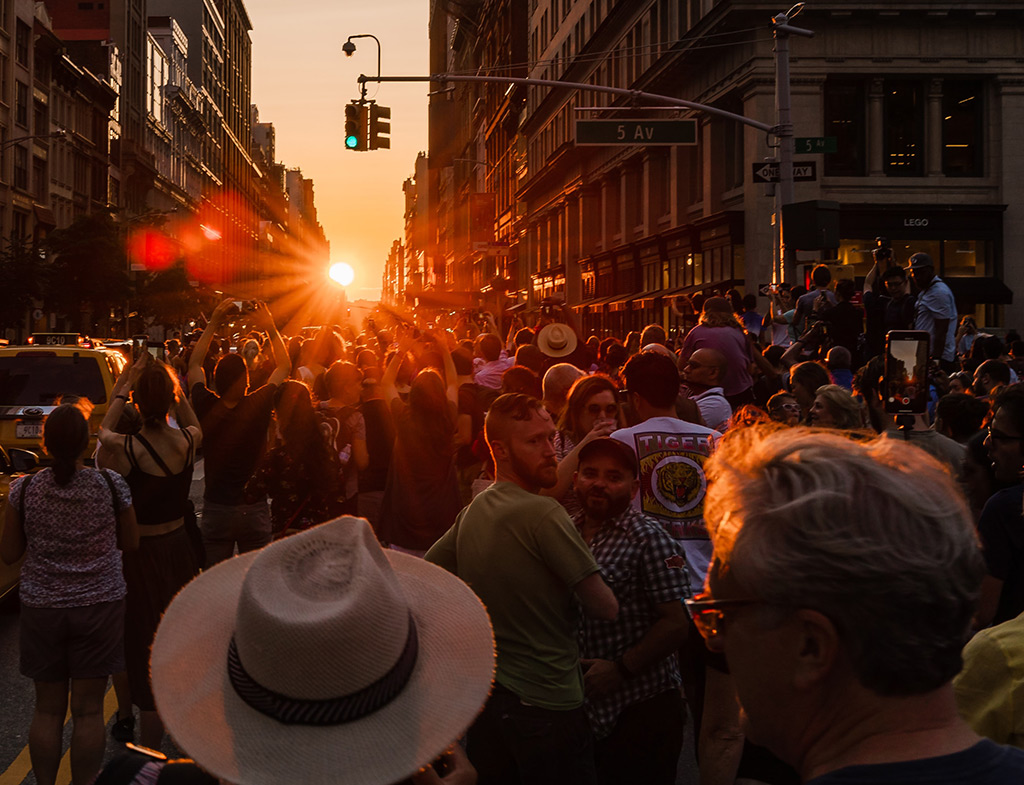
(671, 454)
(714, 408)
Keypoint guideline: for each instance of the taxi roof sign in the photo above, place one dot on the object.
(58, 339)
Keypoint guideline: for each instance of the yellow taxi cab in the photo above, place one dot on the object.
(12, 465)
(53, 367)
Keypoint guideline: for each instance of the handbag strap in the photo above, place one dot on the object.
(113, 491)
(21, 501)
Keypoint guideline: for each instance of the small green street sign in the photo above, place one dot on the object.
(628, 132)
(809, 145)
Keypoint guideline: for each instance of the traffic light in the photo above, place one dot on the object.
(355, 126)
(380, 127)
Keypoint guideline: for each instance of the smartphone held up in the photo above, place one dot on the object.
(906, 371)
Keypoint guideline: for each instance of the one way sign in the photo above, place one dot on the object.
(803, 172)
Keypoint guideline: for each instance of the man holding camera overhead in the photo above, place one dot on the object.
(234, 435)
(888, 302)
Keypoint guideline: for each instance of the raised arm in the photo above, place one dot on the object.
(387, 383)
(283, 363)
(196, 375)
(118, 397)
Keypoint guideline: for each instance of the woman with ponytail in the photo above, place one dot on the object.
(302, 475)
(157, 464)
(69, 521)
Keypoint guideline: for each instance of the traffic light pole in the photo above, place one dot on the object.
(784, 133)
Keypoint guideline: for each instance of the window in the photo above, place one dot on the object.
(21, 103)
(39, 117)
(19, 227)
(845, 120)
(20, 168)
(962, 129)
(21, 38)
(4, 92)
(39, 179)
(903, 108)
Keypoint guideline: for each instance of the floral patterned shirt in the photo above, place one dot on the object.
(71, 559)
(294, 502)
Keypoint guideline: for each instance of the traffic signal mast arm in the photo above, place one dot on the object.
(635, 94)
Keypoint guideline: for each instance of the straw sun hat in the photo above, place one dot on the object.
(557, 340)
(321, 659)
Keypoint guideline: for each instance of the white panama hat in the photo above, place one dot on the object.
(321, 659)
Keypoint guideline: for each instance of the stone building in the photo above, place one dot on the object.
(923, 100)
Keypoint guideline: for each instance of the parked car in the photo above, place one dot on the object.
(33, 377)
(12, 464)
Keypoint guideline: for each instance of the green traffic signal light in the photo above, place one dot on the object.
(356, 126)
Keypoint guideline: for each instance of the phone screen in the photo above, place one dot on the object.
(138, 346)
(906, 371)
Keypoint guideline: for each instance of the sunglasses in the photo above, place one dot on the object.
(595, 410)
(708, 614)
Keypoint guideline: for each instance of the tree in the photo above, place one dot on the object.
(88, 273)
(169, 298)
(21, 281)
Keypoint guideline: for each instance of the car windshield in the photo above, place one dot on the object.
(39, 379)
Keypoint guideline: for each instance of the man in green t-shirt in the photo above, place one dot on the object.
(523, 557)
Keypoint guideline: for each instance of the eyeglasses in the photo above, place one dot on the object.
(789, 407)
(595, 410)
(999, 436)
(708, 614)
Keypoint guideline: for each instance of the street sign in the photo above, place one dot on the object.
(645, 132)
(810, 145)
(803, 172)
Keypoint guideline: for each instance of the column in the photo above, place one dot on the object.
(933, 129)
(876, 139)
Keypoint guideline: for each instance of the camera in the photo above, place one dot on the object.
(883, 248)
(245, 306)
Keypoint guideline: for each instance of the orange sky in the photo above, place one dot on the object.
(301, 81)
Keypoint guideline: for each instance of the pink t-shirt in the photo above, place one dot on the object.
(71, 559)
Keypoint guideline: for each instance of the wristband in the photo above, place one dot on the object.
(122, 397)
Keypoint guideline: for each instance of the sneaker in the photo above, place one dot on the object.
(123, 729)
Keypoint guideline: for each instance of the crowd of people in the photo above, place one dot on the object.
(661, 531)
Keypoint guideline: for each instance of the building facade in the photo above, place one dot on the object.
(923, 102)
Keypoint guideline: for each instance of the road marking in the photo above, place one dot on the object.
(22, 765)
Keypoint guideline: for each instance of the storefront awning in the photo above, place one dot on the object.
(622, 302)
(981, 290)
(595, 302)
(648, 298)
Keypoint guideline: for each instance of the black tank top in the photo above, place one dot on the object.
(158, 498)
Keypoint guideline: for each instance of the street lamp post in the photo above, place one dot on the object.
(349, 49)
(60, 134)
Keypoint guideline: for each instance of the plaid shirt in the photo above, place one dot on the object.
(644, 567)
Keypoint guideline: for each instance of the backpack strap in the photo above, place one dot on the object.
(113, 491)
(154, 455)
(21, 501)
